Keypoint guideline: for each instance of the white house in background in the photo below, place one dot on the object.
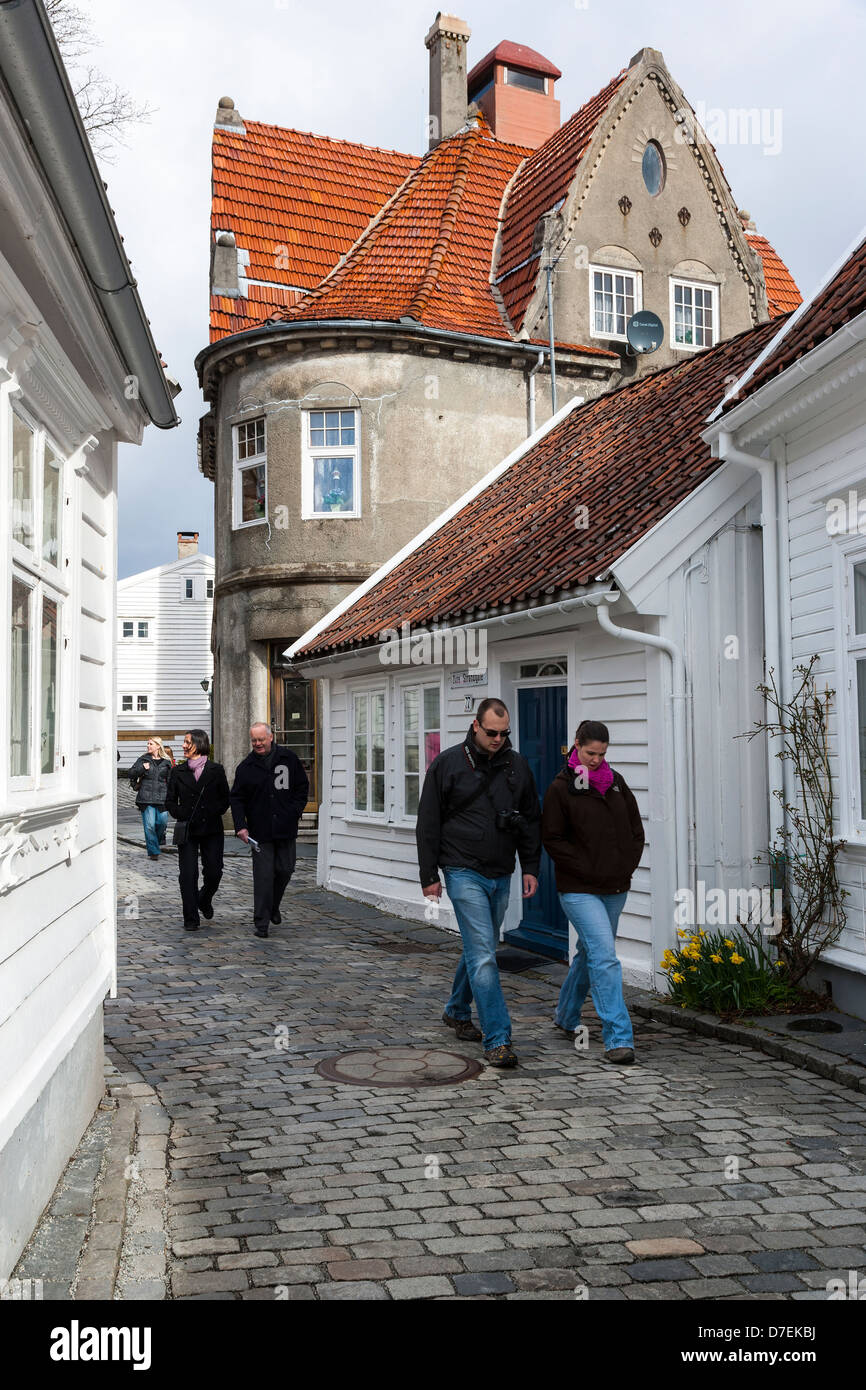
(164, 620)
(79, 374)
(798, 419)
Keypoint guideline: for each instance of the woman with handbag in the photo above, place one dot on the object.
(198, 797)
(149, 778)
(593, 832)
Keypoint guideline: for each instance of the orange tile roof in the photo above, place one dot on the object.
(630, 456)
(541, 183)
(841, 300)
(782, 292)
(295, 202)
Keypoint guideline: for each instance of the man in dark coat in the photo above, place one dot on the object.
(268, 797)
(198, 795)
(479, 806)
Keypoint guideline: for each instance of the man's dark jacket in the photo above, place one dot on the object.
(595, 841)
(150, 782)
(205, 818)
(470, 839)
(269, 794)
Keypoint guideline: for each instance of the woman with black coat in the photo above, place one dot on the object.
(149, 778)
(198, 797)
(593, 832)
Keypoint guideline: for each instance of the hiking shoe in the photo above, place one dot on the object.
(569, 1033)
(463, 1027)
(624, 1056)
(503, 1056)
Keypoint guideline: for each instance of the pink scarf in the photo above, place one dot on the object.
(600, 778)
(196, 764)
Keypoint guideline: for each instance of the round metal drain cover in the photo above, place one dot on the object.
(399, 1066)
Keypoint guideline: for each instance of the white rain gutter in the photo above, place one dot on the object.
(531, 379)
(766, 468)
(547, 610)
(32, 68)
(679, 777)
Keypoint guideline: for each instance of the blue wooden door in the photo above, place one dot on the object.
(542, 735)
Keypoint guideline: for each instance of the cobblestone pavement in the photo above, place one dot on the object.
(705, 1171)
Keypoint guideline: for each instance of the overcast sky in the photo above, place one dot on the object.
(359, 72)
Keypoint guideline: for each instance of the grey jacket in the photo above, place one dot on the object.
(150, 784)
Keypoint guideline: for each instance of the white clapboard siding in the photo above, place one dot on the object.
(168, 665)
(826, 457)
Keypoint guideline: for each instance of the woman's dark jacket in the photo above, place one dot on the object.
(269, 794)
(150, 783)
(595, 841)
(183, 793)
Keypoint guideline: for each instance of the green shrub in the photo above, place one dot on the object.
(724, 973)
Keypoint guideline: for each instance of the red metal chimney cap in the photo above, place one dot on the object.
(516, 55)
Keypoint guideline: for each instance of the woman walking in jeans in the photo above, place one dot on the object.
(592, 831)
(149, 778)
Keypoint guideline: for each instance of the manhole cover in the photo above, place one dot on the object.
(402, 948)
(815, 1025)
(399, 1066)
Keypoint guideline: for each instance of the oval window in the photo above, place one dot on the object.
(653, 168)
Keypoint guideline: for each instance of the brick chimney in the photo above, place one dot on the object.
(187, 544)
(513, 86)
(447, 39)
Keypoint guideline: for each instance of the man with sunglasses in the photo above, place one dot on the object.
(479, 807)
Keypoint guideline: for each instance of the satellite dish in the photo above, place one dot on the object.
(645, 332)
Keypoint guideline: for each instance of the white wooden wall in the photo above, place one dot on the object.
(170, 663)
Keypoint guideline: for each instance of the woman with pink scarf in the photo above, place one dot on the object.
(593, 832)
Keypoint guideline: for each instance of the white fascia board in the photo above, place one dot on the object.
(442, 520)
(786, 327)
(182, 564)
(642, 568)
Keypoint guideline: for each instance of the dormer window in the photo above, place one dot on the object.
(653, 168)
(532, 81)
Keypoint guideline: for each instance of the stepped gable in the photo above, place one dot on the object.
(630, 456)
(542, 182)
(296, 202)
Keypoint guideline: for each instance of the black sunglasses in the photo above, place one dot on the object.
(494, 733)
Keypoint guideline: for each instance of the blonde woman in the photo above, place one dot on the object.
(149, 778)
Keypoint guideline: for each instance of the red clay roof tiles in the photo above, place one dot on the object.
(782, 292)
(629, 456)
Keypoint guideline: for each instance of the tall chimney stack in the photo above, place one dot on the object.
(447, 40)
(187, 544)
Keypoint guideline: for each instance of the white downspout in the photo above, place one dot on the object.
(677, 696)
(766, 469)
(531, 378)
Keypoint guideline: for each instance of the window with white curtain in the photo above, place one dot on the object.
(368, 752)
(421, 739)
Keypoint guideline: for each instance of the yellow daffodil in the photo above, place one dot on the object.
(730, 943)
(680, 932)
(693, 969)
(737, 960)
(678, 979)
(717, 959)
(780, 965)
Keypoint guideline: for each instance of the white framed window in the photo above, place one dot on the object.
(127, 629)
(331, 464)
(37, 602)
(855, 658)
(420, 739)
(694, 315)
(126, 704)
(367, 786)
(141, 704)
(614, 295)
(209, 589)
(187, 588)
(135, 629)
(250, 473)
(134, 702)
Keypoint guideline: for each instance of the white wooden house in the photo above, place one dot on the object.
(79, 373)
(164, 618)
(598, 575)
(797, 420)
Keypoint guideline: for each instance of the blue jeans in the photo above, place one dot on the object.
(154, 819)
(595, 967)
(479, 904)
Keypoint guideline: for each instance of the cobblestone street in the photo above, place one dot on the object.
(705, 1171)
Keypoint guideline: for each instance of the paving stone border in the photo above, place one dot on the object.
(801, 1054)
